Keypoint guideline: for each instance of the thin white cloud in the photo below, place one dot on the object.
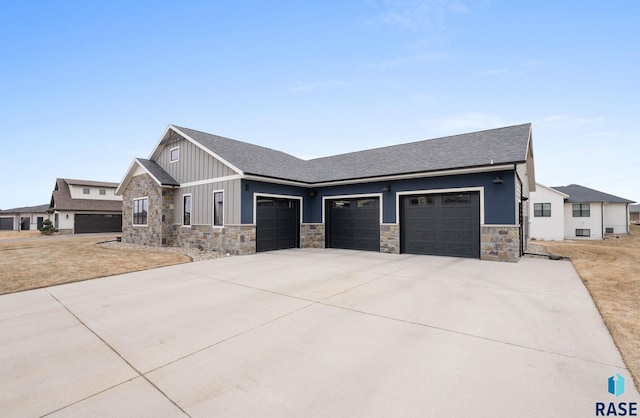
(465, 122)
(562, 121)
(496, 72)
(417, 15)
(408, 60)
(305, 86)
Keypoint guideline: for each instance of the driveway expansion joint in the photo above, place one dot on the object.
(117, 354)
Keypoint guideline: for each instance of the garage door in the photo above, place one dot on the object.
(353, 223)
(277, 224)
(441, 224)
(85, 224)
(6, 224)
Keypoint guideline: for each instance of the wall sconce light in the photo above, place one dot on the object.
(67, 216)
(246, 187)
(525, 198)
(386, 188)
(497, 180)
(313, 193)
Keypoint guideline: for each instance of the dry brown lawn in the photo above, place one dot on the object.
(610, 270)
(46, 261)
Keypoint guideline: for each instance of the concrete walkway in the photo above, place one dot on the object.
(311, 333)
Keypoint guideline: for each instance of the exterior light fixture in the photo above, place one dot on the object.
(497, 180)
(313, 193)
(386, 188)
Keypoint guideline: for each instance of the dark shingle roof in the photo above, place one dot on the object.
(156, 171)
(581, 194)
(634, 208)
(495, 146)
(27, 209)
(61, 199)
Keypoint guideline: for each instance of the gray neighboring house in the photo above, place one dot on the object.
(460, 195)
(85, 206)
(634, 214)
(28, 218)
(591, 214)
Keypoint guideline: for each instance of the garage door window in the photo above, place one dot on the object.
(140, 207)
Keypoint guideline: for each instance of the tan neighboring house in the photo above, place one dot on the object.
(84, 206)
(24, 219)
(634, 214)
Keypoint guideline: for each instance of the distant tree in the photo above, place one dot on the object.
(48, 228)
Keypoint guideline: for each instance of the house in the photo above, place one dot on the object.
(83, 206)
(634, 214)
(577, 212)
(459, 196)
(24, 219)
(547, 208)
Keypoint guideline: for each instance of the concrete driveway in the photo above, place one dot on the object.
(311, 333)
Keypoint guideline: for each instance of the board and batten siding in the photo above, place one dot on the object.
(202, 202)
(193, 164)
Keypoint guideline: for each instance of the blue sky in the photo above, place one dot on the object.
(88, 86)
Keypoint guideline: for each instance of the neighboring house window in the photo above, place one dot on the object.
(583, 232)
(186, 215)
(140, 209)
(103, 192)
(218, 208)
(174, 154)
(542, 210)
(86, 191)
(581, 210)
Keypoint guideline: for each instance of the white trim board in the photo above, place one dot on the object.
(275, 196)
(479, 189)
(350, 196)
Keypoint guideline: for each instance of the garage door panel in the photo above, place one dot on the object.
(277, 224)
(97, 223)
(353, 223)
(441, 224)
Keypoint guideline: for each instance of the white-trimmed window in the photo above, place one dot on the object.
(186, 210)
(542, 210)
(103, 192)
(174, 154)
(583, 232)
(581, 210)
(218, 208)
(140, 210)
(86, 191)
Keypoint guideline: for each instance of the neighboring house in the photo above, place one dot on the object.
(25, 219)
(547, 210)
(634, 214)
(586, 213)
(455, 196)
(83, 206)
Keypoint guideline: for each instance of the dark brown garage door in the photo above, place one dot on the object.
(441, 224)
(6, 224)
(277, 224)
(353, 223)
(85, 224)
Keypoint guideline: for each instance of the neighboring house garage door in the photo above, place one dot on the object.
(277, 224)
(353, 223)
(85, 224)
(6, 224)
(441, 224)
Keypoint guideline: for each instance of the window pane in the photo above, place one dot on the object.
(217, 208)
(456, 199)
(186, 219)
(175, 154)
(537, 209)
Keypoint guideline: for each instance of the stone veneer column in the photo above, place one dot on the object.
(151, 235)
(500, 243)
(312, 236)
(390, 238)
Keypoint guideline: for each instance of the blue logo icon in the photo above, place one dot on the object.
(616, 385)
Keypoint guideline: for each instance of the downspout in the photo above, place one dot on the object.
(602, 218)
(626, 215)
